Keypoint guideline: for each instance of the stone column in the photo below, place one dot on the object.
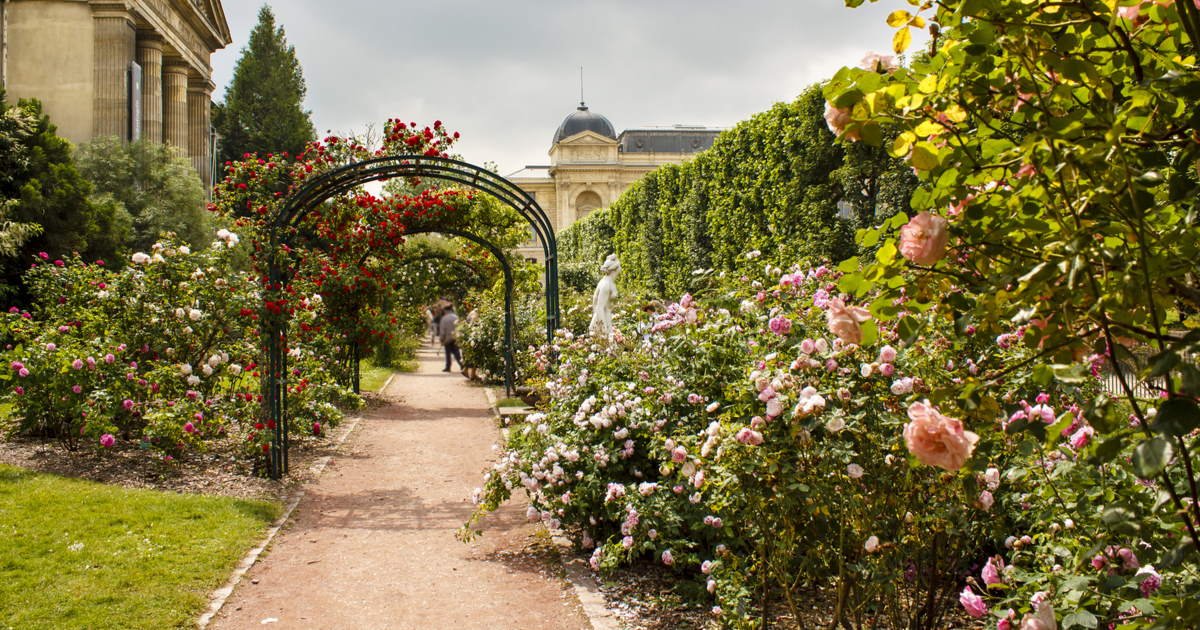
(175, 103)
(150, 57)
(199, 134)
(115, 41)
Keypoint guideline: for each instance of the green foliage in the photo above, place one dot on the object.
(153, 185)
(771, 183)
(1056, 149)
(263, 110)
(40, 186)
(85, 555)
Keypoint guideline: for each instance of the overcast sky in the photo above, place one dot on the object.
(505, 73)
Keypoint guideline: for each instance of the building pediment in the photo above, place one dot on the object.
(587, 138)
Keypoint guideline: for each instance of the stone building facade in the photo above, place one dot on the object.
(591, 165)
(134, 69)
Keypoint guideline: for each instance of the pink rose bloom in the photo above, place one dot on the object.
(876, 62)
(844, 321)
(992, 570)
(78, 389)
(107, 440)
(887, 369)
(1004, 624)
(667, 558)
(837, 118)
(780, 325)
(937, 440)
(887, 354)
(1080, 438)
(77, 364)
(746, 435)
(1151, 582)
(678, 454)
(23, 372)
(972, 603)
(808, 346)
(923, 239)
(127, 404)
(986, 500)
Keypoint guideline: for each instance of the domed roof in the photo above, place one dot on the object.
(584, 120)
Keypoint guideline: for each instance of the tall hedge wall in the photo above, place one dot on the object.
(771, 183)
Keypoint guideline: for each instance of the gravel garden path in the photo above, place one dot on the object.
(372, 545)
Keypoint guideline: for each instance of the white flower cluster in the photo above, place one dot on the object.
(226, 238)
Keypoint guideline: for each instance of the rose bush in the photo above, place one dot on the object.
(739, 439)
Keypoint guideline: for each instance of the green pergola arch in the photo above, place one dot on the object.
(344, 179)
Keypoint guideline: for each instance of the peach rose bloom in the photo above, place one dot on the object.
(837, 118)
(937, 440)
(1042, 620)
(923, 239)
(844, 320)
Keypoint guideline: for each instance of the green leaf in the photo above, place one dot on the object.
(1150, 457)
(1081, 619)
(870, 333)
(1177, 417)
(1107, 450)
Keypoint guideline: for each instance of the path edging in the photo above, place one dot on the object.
(583, 583)
(216, 600)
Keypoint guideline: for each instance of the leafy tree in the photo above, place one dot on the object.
(263, 111)
(157, 188)
(41, 186)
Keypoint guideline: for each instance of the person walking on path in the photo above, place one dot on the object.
(447, 330)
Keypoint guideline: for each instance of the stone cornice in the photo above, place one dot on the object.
(183, 26)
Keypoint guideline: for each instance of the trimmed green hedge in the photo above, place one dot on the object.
(771, 183)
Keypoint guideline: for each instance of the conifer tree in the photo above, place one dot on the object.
(263, 109)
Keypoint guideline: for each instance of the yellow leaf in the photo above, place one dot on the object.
(918, 21)
(928, 85)
(902, 144)
(956, 113)
(901, 41)
(928, 128)
(896, 19)
(924, 156)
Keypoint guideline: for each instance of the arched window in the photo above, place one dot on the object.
(586, 202)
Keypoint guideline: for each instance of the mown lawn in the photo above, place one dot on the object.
(77, 554)
(372, 378)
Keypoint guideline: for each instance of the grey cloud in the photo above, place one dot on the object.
(506, 73)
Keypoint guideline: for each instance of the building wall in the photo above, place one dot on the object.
(51, 56)
(79, 58)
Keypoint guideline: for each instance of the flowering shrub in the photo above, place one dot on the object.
(760, 438)
(1056, 148)
(161, 353)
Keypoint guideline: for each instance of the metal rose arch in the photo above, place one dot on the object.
(346, 179)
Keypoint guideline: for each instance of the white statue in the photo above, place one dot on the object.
(603, 298)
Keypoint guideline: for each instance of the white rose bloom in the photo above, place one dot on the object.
(235, 368)
(140, 258)
(185, 250)
(214, 360)
(193, 380)
(195, 314)
(222, 234)
(185, 369)
(180, 313)
(207, 369)
(835, 425)
(872, 544)
(855, 471)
